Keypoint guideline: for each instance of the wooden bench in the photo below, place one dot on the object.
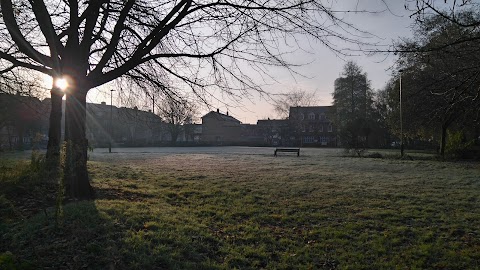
(287, 150)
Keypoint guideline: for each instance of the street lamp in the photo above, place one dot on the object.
(111, 122)
(401, 116)
(153, 103)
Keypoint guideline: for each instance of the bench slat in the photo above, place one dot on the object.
(290, 150)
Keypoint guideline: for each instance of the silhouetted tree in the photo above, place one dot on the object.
(20, 111)
(294, 98)
(203, 45)
(352, 100)
(55, 128)
(441, 76)
(176, 112)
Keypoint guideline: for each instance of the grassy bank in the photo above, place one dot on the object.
(248, 210)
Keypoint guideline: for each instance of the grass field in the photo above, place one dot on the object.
(241, 208)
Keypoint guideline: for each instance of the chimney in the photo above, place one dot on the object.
(218, 110)
(227, 113)
(104, 103)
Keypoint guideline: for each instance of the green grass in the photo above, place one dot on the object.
(253, 211)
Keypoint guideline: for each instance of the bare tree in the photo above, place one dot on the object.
(176, 113)
(55, 128)
(463, 14)
(449, 10)
(295, 98)
(20, 110)
(204, 46)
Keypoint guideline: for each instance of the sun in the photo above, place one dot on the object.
(61, 83)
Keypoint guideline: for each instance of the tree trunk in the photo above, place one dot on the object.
(20, 133)
(443, 140)
(55, 128)
(9, 134)
(174, 137)
(76, 175)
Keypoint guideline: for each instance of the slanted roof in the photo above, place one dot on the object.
(272, 122)
(310, 109)
(221, 117)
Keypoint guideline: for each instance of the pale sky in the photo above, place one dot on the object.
(325, 66)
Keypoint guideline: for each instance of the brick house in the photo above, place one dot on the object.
(312, 126)
(219, 128)
(274, 132)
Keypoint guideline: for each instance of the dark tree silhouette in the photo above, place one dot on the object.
(294, 98)
(442, 74)
(352, 100)
(177, 113)
(201, 45)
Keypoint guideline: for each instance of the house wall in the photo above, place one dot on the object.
(216, 129)
(312, 126)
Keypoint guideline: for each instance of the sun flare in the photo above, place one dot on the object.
(61, 83)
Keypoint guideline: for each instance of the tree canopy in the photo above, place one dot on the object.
(206, 46)
(441, 75)
(353, 101)
(294, 98)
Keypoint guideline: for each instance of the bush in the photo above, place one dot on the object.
(26, 187)
(457, 147)
(19, 176)
(9, 262)
(7, 210)
(374, 155)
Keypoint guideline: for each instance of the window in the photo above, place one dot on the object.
(323, 140)
(308, 139)
(330, 128)
(321, 117)
(320, 128)
(304, 128)
(302, 116)
(311, 128)
(311, 116)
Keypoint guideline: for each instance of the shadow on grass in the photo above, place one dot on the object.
(76, 242)
(121, 194)
(118, 236)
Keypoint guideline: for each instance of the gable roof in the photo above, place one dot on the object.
(221, 117)
(310, 109)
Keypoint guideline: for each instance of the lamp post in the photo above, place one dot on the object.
(111, 122)
(401, 116)
(153, 103)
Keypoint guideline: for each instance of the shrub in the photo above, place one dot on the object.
(9, 262)
(7, 210)
(374, 155)
(457, 147)
(31, 185)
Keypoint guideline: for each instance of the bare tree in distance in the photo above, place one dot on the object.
(177, 113)
(295, 98)
(23, 82)
(17, 88)
(203, 46)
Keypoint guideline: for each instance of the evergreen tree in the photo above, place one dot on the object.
(352, 99)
